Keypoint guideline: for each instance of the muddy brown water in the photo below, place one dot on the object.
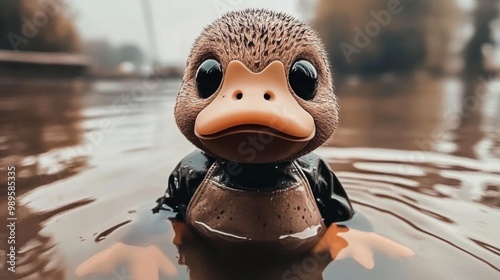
(419, 158)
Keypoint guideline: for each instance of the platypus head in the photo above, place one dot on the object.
(257, 89)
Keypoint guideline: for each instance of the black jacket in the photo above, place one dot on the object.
(330, 196)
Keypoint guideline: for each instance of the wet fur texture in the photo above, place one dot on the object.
(257, 37)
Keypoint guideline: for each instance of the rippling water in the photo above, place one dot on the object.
(420, 159)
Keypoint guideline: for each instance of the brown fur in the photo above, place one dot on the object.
(257, 37)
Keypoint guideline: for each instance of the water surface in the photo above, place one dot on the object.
(419, 158)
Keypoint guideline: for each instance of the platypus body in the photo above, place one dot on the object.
(256, 99)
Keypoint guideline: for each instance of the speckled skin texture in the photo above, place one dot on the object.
(257, 37)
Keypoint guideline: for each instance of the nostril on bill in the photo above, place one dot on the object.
(268, 95)
(238, 95)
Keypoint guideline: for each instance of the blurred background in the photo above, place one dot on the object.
(362, 37)
(87, 90)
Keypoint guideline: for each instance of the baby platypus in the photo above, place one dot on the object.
(256, 99)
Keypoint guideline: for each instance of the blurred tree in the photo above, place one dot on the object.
(486, 11)
(372, 36)
(447, 28)
(131, 53)
(30, 25)
(107, 56)
(400, 35)
(102, 52)
(9, 21)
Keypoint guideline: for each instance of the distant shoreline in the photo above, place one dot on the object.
(20, 64)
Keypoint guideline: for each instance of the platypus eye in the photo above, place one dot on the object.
(303, 79)
(208, 77)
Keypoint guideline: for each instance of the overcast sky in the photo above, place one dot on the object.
(177, 22)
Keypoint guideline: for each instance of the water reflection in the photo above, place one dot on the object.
(40, 120)
(445, 175)
(37, 255)
(450, 116)
(434, 204)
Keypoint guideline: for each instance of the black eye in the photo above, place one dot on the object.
(208, 77)
(303, 79)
